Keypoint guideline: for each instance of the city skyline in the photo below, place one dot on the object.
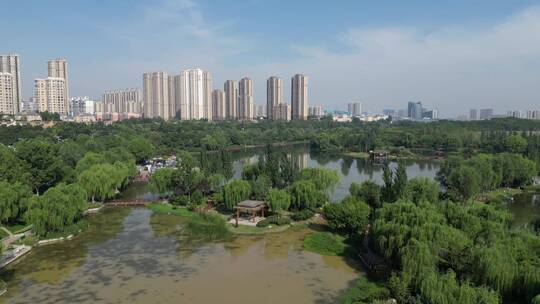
(380, 54)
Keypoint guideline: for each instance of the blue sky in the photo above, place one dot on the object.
(452, 55)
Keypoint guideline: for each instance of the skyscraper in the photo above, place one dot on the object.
(415, 110)
(10, 94)
(245, 99)
(195, 94)
(354, 108)
(156, 95)
(315, 111)
(58, 68)
(299, 97)
(218, 105)
(274, 95)
(231, 99)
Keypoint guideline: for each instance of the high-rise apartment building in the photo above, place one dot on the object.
(274, 95)
(473, 114)
(50, 95)
(219, 108)
(58, 68)
(82, 105)
(299, 97)
(231, 99)
(259, 111)
(315, 111)
(354, 108)
(156, 95)
(282, 112)
(195, 94)
(122, 101)
(7, 100)
(245, 99)
(415, 110)
(10, 94)
(533, 114)
(486, 113)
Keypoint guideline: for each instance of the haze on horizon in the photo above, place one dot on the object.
(451, 56)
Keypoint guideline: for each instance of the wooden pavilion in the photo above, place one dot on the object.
(251, 207)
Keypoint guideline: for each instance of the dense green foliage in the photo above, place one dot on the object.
(235, 192)
(364, 292)
(278, 200)
(57, 209)
(350, 216)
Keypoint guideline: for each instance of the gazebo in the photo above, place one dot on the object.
(251, 207)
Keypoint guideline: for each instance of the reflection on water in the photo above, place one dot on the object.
(145, 261)
(525, 208)
(350, 169)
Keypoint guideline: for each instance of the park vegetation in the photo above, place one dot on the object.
(434, 241)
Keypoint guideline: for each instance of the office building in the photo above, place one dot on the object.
(274, 94)
(156, 95)
(193, 92)
(354, 108)
(486, 114)
(299, 97)
(231, 99)
(219, 108)
(10, 93)
(282, 112)
(50, 95)
(415, 110)
(245, 99)
(122, 101)
(430, 114)
(473, 114)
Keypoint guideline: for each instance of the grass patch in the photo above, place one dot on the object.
(17, 228)
(364, 291)
(325, 243)
(210, 227)
(171, 210)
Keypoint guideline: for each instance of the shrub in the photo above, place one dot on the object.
(303, 215)
(274, 220)
(180, 200)
(263, 223)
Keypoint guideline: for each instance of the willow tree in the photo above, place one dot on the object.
(13, 201)
(57, 209)
(324, 179)
(305, 195)
(100, 181)
(161, 181)
(235, 192)
(278, 200)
